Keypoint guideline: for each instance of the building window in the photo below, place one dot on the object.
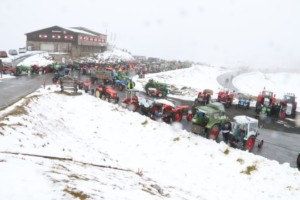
(68, 37)
(43, 36)
(86, 38)
(81, 37)
(56, 36)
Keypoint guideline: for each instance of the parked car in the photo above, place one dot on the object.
(3, 54)
(13, 52)
(22, 50)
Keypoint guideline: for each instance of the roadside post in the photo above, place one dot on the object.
(1, 66)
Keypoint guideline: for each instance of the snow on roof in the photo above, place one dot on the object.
(242, 119)
(80, 31)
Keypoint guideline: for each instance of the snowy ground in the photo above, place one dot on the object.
(188, 82)
(280, 83)
(6, 76)
(80, 146)
(55, 146)
(199, 77)
(40, 58)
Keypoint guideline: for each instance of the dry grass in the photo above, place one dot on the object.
(76, 194)
(249, 169)
(145, 122)
(226, 151)
(19, 110)
(240, 160)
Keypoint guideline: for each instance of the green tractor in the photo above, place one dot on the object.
(154, 88)
(208, 119)
(22, 69)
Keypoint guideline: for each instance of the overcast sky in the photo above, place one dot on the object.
(258, 33)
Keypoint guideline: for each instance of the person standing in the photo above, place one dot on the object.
(225, 129)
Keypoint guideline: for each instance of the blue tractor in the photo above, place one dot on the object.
(243, 103)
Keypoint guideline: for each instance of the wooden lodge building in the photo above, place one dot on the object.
(73, 42)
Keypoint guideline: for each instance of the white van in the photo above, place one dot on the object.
(22, 50)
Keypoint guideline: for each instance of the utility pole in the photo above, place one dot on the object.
(1, 66)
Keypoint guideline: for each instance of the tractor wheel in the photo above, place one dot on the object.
(108, 98)
(214, 132)
(102, 96)
(54, 80)
(228, 103)
(164, 93)
(260, 144)
(177, 117)
(249, 144)
(248, 106)
(189, 116)
(298, 161)
(116, 100)
(86, 89)
(208, 100)
(120, 87)
(153, 109)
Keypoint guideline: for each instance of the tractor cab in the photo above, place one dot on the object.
(131, 96)
(225, 96)
(289, 98)
(266, 102)
(289, 105)
(267, 94)
(244, 133)
(131, 100)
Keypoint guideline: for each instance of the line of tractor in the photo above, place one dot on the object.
(207, 115)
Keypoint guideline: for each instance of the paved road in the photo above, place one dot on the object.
(13, 89)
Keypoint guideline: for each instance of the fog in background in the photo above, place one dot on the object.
(242, 33)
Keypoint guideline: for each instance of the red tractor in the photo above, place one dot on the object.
(86, 86)
(266, 104)
(36, 69)
(203, 97)
(9, 70)
(107, 93)
(225, 96)
(288, 105)
(131, 100)
(166, 110)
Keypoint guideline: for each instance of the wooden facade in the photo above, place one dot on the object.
(75, 42)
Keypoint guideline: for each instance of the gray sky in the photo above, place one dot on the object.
(258, 33)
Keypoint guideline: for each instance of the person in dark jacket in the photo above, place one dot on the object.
(225, 129)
